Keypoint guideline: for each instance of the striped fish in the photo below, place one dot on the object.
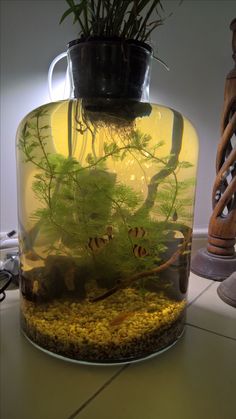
(138, 232)
(139, 251)
(96, 244)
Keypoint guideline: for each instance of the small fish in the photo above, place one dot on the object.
(138, 232)
(139, 251)
(97, 243)
(116, 321)
(175, 216)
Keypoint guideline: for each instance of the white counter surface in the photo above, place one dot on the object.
(195, 379)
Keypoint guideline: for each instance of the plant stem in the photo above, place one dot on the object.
(48, 163)
(174, 198)
(141, 32)
(86, 25)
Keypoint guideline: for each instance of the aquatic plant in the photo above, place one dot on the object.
(78, 202)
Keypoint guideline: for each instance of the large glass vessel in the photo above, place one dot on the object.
(106, 193)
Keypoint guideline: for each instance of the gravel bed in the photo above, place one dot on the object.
(126, 326)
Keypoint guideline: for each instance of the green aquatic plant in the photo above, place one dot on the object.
(174, 203)
(79, 203)
(147, 273)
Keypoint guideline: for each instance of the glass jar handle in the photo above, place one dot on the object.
(50, 75)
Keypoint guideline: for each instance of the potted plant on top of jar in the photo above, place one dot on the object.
(111, 58)
(106, 233)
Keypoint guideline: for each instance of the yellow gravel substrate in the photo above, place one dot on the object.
(109, 328)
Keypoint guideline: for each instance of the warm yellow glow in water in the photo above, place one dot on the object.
(105, 210)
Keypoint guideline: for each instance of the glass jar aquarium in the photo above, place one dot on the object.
(106, 193)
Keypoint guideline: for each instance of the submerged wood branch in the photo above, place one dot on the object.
(171, 165)
(150, 272)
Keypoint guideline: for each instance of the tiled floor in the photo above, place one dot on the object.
(195, 379)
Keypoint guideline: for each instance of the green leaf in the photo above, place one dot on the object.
(77, 10)
(67, 13)
(128, 19)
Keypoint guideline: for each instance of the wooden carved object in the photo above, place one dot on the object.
(222, 225)
(218, 260)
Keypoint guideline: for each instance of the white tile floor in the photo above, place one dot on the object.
(196, 379)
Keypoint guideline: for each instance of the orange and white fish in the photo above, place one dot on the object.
(139, 251)
(138, 232)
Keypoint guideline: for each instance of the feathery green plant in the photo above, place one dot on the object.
(77, 202)
(90, 194)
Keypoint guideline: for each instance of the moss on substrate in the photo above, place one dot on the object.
(126, 326)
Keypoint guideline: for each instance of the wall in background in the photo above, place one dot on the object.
(195, 42)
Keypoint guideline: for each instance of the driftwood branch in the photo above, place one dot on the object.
(148, 273)
(177, 136)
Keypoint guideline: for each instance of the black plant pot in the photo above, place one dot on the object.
(109, 68)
